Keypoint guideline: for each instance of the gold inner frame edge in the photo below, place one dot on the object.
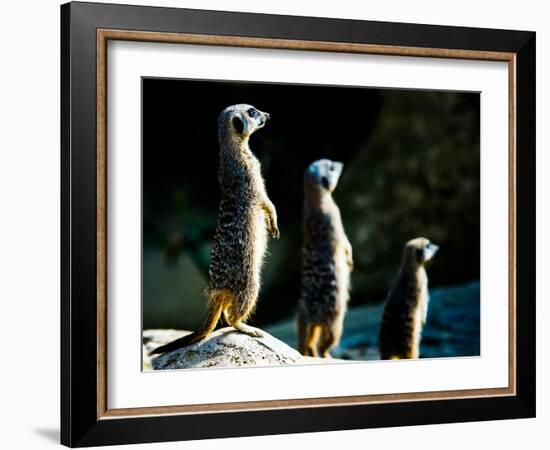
(104, 35)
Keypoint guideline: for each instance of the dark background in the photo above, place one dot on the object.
(411, 169)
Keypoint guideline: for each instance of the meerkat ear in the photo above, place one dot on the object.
(420, 254)
(238, 124)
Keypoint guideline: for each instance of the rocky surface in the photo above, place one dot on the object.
(225, 347)
(155, 338)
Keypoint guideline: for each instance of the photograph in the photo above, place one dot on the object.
(288, 224)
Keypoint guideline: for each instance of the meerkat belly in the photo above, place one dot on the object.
(258, 239)
(416, 332)
(419, 318)
(238, 250)
(321, 296)
(342, 274)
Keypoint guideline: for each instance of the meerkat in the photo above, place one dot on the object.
(246, 215)
(406, 307)
(326, 265)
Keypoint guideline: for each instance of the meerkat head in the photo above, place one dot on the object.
(420, 250)
(324, 173)
(242, 119)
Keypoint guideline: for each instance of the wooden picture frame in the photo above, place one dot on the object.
(85, 417)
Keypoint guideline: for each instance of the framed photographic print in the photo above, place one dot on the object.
(277, 224)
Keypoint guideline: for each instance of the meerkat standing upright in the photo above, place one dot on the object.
(245, 216)
(327, 263)
(407, 304)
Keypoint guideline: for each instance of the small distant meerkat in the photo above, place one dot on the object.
(407, 303)
(327, 263)
(246, 215)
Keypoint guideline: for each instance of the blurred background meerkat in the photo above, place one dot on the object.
(407, 303)
(327, 263)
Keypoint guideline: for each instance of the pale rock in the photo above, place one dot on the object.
(225, 347)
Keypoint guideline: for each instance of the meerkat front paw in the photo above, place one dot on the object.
(349, 256)
(272, 228)
(274, 231)
(271, 219)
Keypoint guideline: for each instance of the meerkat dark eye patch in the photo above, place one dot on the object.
(238, 124)
(252, 112)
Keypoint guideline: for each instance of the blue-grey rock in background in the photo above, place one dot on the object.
(452, 328)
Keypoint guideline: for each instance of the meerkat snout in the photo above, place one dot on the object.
(267, 116)
(429, 251)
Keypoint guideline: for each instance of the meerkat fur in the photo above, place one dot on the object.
(406, 307)
(246, 215)
(326, 263)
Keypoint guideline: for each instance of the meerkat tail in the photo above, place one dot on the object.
(214, 314)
